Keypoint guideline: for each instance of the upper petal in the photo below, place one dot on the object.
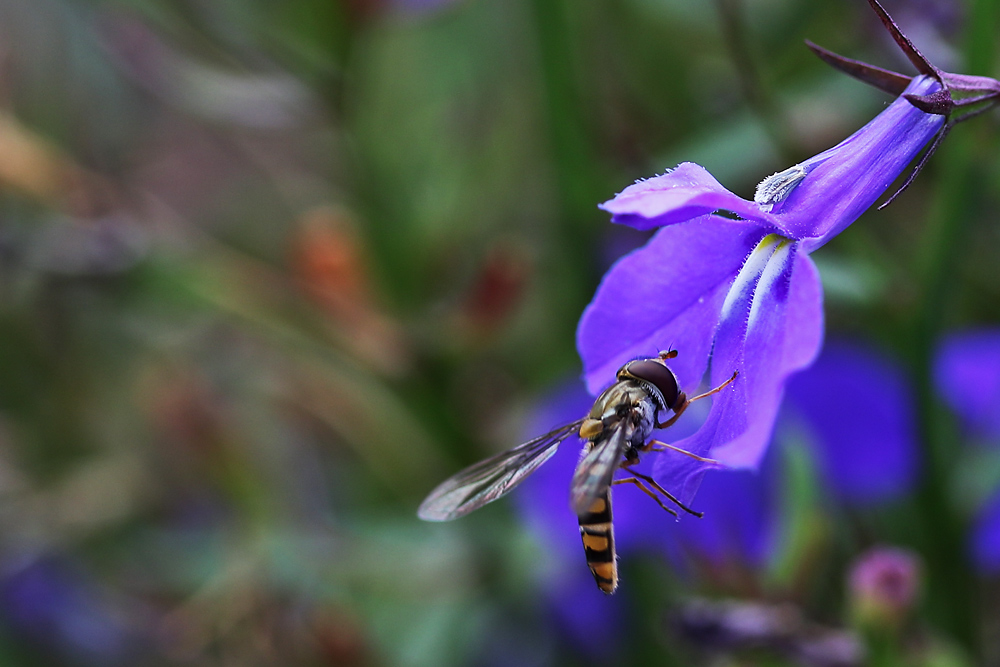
(666, 294)
(683, 193)
(844, 181)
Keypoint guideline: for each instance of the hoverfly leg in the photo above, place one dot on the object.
(647, 491)
(658, 446)
(656, 485)
(685, 402)
(677, 413)
(716, 390)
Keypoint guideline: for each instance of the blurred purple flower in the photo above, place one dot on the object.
(864, 460)
(984, 541)
(857, 412)
(743, 293)
(967, 372)
(52, 604)
(869, 458)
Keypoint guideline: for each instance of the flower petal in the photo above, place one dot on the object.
(665, 295)
(858, 413)
(844, 181)
(767, 333)
(685, 192)
(967, 371)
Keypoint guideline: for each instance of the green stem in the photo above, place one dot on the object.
(951, 589)
(580, 183)
(572, 150)
(752, 84)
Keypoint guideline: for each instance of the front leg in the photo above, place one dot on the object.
(658, 446)
(683, 401)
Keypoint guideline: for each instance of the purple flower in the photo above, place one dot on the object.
(741, 527)
(742, 293)
(967, 372)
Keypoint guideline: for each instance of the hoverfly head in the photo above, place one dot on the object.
(655, 374)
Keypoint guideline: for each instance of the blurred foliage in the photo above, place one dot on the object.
(271, 270)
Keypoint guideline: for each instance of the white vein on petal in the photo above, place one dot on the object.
(751, 270)
(775, 269)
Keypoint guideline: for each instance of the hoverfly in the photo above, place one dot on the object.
(615, 432)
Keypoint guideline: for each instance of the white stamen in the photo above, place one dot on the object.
(776, 187)
(775, 268)
(747, 277)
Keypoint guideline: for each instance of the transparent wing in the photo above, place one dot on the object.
(596, 469)
(491, 478)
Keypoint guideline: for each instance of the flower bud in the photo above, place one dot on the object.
(884, 586)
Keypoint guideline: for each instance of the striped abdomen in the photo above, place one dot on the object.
(599, 543)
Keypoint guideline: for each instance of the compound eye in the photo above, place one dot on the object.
(657, 375)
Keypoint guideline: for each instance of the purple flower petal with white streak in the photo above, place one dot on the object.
(967, 371)
(770, 328)
(856, 410)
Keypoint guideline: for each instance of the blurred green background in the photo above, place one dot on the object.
(272, 269)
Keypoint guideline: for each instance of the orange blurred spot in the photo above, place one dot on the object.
(497, 291)
(328, 259)
(31, 165)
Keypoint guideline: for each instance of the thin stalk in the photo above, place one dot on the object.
(752, 85)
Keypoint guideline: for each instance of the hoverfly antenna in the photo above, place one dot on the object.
(667, 354)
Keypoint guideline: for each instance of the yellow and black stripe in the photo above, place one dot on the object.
(599, 543)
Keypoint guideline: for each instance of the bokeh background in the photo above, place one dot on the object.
(272, 269)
